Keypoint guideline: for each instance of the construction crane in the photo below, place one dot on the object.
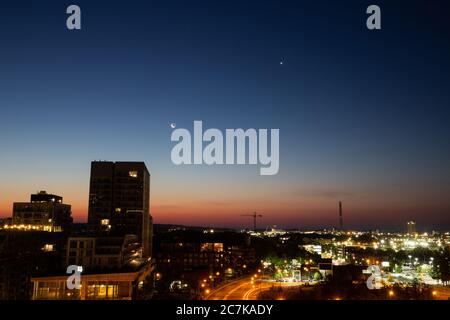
(254, 216)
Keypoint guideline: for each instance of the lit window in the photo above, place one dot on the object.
(118, 210)
(133, 174)
(105, 222)
(48, 247)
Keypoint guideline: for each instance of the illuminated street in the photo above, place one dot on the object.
(245, 289)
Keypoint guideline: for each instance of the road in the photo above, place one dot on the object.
(244, 289)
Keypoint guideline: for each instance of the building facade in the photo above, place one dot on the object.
(119, 201)
(411, 227)
(45, 212)
(100, 253)
(107, 286)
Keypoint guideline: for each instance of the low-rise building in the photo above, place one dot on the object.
(44, 212)
(98, 286)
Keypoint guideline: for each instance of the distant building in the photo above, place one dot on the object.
(44, 212)
(187, 251)
(273, 232)
(411, 227)
(119, 201)
(313, 248)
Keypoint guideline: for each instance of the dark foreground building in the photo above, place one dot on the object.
(119, 201)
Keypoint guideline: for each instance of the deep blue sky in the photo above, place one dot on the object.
(363, 115)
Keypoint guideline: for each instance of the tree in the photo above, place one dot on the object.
(317, 276)
(397, 268)
(441, 266)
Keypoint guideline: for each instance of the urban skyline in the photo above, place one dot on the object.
(184, 155)
(120, 255)
(105, 170)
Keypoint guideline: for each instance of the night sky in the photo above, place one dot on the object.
(363, 115)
